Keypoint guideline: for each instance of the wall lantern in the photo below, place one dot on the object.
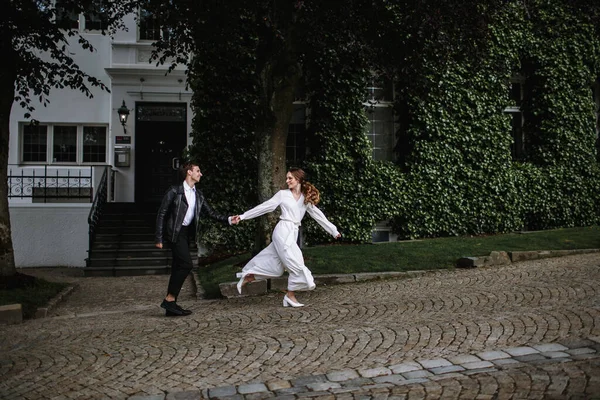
(123, 115)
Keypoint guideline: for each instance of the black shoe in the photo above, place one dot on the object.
(172, 308)
(183, 311)
(170, 314)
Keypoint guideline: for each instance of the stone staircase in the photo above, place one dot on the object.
(124, 243)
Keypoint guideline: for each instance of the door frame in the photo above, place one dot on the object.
(176, 112)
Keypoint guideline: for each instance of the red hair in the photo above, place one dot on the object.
(310, 192)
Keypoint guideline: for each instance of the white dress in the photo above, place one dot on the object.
(283, 253)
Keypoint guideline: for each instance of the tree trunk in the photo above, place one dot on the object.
(265, 166)
(279, 73)
(7, 258)
(272, 139)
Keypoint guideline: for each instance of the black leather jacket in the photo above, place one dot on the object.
(172, 212)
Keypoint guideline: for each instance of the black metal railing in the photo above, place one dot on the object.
(96, 210)
(112, 185)
(47, 184)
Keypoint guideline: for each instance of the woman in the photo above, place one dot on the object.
(283, 252)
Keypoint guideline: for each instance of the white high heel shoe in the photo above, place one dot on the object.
(240, 284)
(287, 302)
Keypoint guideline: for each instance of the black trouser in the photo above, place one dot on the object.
(182, 261)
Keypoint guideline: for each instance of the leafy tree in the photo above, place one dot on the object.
(36, 38)
(252, 57)
(262, 46)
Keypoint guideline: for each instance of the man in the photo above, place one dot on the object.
(176, 222)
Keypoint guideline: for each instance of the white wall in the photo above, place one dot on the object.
(57, 234)
(120, 64)
(70, 106)
(50, 235)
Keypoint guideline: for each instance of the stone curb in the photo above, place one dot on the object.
(504, 258)
(42, 312)
(229, 289)
(11, 314)
(496, 258)
(537, 255)
(198, 289)
(7, 313)
(418, 371)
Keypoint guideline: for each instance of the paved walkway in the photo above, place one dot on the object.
(529, 330)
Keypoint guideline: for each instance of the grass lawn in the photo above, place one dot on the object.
(424, 254)
(30, 293)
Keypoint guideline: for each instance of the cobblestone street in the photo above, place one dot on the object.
(380, 339)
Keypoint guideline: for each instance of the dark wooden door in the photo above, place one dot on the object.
(160, 137)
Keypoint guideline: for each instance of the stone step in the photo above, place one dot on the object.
(134, 261)
(149, 217)
(125, 237)
(129, 261)
(135, 245)
(124, 242)
(105, 223)
(118, 245)
(130, 207)
(129, 229)
(127, 270)
(129, 253)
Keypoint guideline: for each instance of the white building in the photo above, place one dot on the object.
(78, 138)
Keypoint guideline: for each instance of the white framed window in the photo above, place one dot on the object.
(94, 21)
(64, 144)
(94, 144)
(596, 97)
(149, 27)
(295, 148)
(35, 143)
(514, 110)
(86, 21)
(71, 18)
(380, 111)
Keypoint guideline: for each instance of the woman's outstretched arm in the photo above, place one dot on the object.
(318, 216)
(263, 208)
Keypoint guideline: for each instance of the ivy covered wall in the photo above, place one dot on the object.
(560, 175)
(455, 174)
(457, 140)
(357, 191)
(460, 173)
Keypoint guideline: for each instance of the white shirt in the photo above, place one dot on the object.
(190, 196)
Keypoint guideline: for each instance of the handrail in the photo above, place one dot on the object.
(96, 210)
